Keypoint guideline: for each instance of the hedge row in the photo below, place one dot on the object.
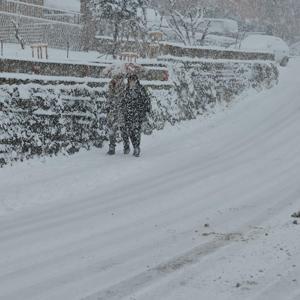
(46, 117)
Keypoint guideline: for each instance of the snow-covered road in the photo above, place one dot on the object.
(203, 214)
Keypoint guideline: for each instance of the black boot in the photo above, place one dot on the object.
(126, 149)
(111, 151)
(136, 151)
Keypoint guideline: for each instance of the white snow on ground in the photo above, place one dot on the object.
(14, 51)
(96, 227)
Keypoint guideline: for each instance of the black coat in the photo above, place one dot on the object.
(136, 104)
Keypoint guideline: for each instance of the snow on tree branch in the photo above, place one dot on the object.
(186, 23)
(17, 33)
(123, 17)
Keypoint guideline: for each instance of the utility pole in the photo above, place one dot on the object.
(1, 45)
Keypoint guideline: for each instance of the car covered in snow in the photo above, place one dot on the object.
(295, 49)
(221, 27)
(220, 33)
(268, 43)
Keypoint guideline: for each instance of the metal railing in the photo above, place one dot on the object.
(39, 24)
(17, 8)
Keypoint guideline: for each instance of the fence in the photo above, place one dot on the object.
(39, 24)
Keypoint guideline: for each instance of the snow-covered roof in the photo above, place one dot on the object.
(73, 5)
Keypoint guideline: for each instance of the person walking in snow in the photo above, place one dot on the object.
(115, 115)
(135, 105)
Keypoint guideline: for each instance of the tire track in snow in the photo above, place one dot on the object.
(149, 277)
(234, 149)
(170, 176)
(57, 280)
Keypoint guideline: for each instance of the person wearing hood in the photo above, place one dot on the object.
(115, 115)
(136, 104)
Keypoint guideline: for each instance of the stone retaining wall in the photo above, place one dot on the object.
(44, 116)
(174, 50)
(105, 45)
(70, 69)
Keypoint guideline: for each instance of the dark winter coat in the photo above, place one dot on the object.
(136, 104)
(116, 93)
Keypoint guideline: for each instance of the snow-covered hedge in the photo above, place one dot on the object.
(200, 85)
(44, 117)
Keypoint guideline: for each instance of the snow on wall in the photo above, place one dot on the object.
(73, 5)
(44, 117)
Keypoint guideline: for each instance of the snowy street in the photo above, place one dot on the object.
(204, 213)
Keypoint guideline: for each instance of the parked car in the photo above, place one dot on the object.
(295, 49)
(268, 43)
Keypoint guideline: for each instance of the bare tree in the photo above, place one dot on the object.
(278, 17)
(88, 31)
(205, 33)
(187, 23)
(17, 33)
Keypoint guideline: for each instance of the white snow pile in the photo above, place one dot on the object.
(226, 27)
(14, 51)
(264, 43)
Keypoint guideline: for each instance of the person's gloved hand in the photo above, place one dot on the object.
(147, 127)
